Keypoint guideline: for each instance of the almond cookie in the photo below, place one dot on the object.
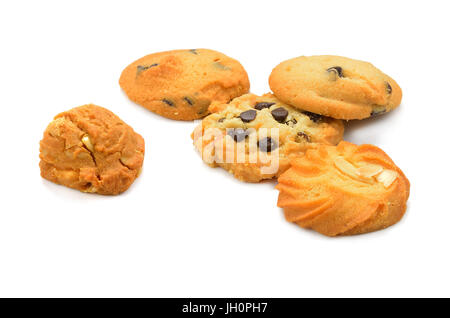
(335, 86)
(90, 149)
(343, 190)
(181, 84)
(253, 137)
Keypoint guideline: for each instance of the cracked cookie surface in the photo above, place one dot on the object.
(90, 149)
(343, 190)
(254, 137)
(335, 86)
(181, 84)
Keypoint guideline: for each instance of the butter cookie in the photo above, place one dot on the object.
(343, 190)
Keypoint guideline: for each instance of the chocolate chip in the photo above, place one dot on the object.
(291, 122)
(280, 114)
(267, 144)
(141, 68)
(377, 112)
(263, 105)
(168, 102)
(193, 51)
(203, 109)
(248, 115)
(304, 136)
(188, 100)
(337, 70)
(221, 120)
(221, 66)
(314, 117)
(388, 88)
(238, 134)
(146, 67)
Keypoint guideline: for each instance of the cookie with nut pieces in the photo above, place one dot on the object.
(335, 86)
(343, 190)
(181, 84)
(90, 149)
(254, 137)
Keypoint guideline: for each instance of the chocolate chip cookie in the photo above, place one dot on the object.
(90, 149)
(254, 137)
(181, 84)
(335, 86)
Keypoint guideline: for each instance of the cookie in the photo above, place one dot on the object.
(343, 190)
(254, 137)
(181, 84)
(335, 86)
(90, 149)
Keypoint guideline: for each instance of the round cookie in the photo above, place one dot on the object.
(254, 137)
(181, 84)
(90, 149)
(343, 190)
(335, 86)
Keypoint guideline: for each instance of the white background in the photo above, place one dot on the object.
(184, 229)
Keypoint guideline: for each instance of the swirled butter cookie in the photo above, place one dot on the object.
(343, 190)
(181, 84)
(90, 149)
(254, 137)
(335, 86)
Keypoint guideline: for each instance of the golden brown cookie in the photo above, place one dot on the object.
(335, 86)
(343, 190)
(254, 137)
(90, 149)
(181, 84)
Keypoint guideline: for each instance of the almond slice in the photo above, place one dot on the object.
(346, 167)
(387, 177)
(370, 170)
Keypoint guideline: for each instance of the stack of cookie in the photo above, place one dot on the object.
(294, 134)
(346, 189)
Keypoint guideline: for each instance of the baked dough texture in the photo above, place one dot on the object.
(90, 149)
(335, 86)
(181, 84)
(343, 190)
(254, 137)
